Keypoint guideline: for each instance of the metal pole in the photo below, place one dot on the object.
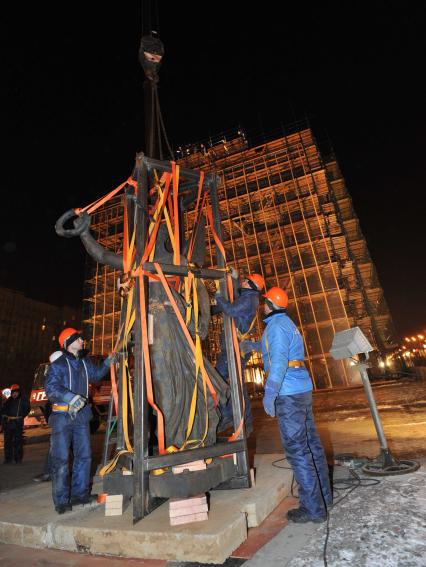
(108, 432)
(386, 463)
(236, 390)
(362, 367)
(140, 436)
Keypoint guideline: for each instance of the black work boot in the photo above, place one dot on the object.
(299, 516)
(44, 477)
(89, 499)
(62, 508)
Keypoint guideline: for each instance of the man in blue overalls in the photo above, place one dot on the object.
(288, 395)
(67, 388)
(243, 310)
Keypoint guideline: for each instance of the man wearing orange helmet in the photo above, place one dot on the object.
(288, 395)
(13, 412)
(67, 388)
(243, 310)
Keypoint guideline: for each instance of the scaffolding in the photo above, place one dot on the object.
(286, 213)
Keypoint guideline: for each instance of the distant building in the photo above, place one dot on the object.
(28, 334)
(287, 214)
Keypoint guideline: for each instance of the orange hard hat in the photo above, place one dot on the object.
(258, 280)
(15, 387)
(278, 297)
(68, 336)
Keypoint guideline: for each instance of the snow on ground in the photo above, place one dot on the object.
(376, 526)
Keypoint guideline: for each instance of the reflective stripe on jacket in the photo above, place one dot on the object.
(68, 376)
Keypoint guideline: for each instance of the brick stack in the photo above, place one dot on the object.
(187, 510)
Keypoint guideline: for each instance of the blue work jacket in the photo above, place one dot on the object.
(242, 309)
(68, 376)
(281, 341)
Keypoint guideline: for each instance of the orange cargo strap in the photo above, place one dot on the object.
(215, 236)
(99, 202)
(175, 178)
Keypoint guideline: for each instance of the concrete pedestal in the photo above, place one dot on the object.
(27, 518)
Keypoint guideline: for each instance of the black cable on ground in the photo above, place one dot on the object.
(349, 484)
(274, 464)
(352, 482)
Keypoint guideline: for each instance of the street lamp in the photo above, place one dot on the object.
(350, 343)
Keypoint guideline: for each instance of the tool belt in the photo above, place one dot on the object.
(60, 407)
(296, 363)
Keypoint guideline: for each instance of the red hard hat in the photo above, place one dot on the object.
(278, 296)
(15, 387)
(258, 280)
(66, 334)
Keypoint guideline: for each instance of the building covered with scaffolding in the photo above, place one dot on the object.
(286, 214)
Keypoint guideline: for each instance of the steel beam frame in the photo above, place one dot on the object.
(143, 463)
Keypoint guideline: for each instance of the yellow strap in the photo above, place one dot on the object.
(199, 363)
(109, 467)
(242, 337)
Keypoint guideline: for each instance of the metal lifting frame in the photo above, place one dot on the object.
(143, 463)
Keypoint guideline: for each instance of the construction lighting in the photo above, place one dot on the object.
(407, 339)
(6, 393)
(347, 344)
(421, 337)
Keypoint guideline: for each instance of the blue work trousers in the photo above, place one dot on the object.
(304, 452)
(66, 435)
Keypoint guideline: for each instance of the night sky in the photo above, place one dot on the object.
(72, 116)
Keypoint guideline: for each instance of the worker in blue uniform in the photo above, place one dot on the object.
(288, 395)
(243, 310)
(67, 388)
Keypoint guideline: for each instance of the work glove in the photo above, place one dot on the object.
(111, 359)
(271, 392)
(234, 273)
(75, 405)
